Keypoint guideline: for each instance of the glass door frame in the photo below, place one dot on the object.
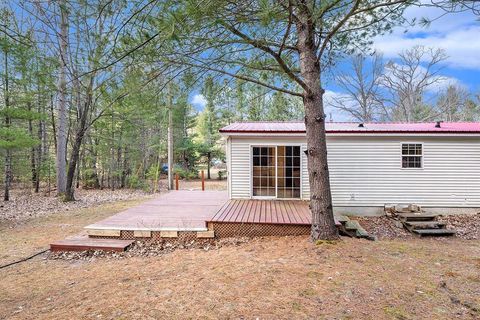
(276, 145)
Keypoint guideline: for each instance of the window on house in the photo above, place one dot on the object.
(412, 155)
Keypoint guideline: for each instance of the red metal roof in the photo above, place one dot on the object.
(353, 127)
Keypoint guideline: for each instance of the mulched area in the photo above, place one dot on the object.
(383, 227)
(466, 225)
(25, 204)
(150, 249)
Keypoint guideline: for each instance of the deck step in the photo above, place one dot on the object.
(434, 232)
(86, 243)
(417, 217)
(425, 224)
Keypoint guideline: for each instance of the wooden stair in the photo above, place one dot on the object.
(82, 243)
(424, 224)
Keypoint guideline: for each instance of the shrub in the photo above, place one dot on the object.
(185, 174)
(221, 174)
(134, 182)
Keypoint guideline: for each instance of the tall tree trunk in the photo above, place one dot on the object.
(209, 160)
(53, 123)
(124, 168)
(41, 149)
(33, 153)
(80, 162)
(112, 151)
(8, 122)
(170, 139)
(77, 144)
(62, 101)
(323, 224)
(95, 164)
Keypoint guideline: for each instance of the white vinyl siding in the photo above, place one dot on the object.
(367, 170)
(240, 170)
(305, 183)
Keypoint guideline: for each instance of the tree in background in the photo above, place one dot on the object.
(362, 95)
(208, 125)
(16, 111)
(453, 103)
(407, 81)
(62, 115)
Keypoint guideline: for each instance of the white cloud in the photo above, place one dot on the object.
(443, 83)
(438, 83)
(199, 101)
(334, 113)
(457, 34)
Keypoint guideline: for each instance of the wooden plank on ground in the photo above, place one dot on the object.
(85, 243)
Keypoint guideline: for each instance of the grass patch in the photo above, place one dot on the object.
(396, 313)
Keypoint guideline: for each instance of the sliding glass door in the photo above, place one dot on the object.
(276, 171)
(263, 171)
(288, 171)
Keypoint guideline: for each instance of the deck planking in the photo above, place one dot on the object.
(181, 210)
(264, 211)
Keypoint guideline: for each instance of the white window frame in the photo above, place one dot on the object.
(421, 156)
(275, 145)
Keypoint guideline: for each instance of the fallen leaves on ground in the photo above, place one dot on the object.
(26, 204)
(269, 278)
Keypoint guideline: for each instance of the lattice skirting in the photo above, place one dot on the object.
(232, 229)
(224, 230)
(183, 236)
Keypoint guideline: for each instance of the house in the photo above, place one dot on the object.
(434, 165)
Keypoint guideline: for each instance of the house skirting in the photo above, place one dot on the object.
(379, 211)
(238, 230)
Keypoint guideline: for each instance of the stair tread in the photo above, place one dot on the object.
(352, 225)
(426, 224)
(342, 218)
(416, 215)
(434, 231)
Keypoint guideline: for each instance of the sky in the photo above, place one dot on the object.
(458, 34)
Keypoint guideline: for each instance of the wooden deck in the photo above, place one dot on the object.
(264, 211)
(174, 211)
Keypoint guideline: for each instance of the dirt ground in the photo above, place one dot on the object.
(269, 278)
